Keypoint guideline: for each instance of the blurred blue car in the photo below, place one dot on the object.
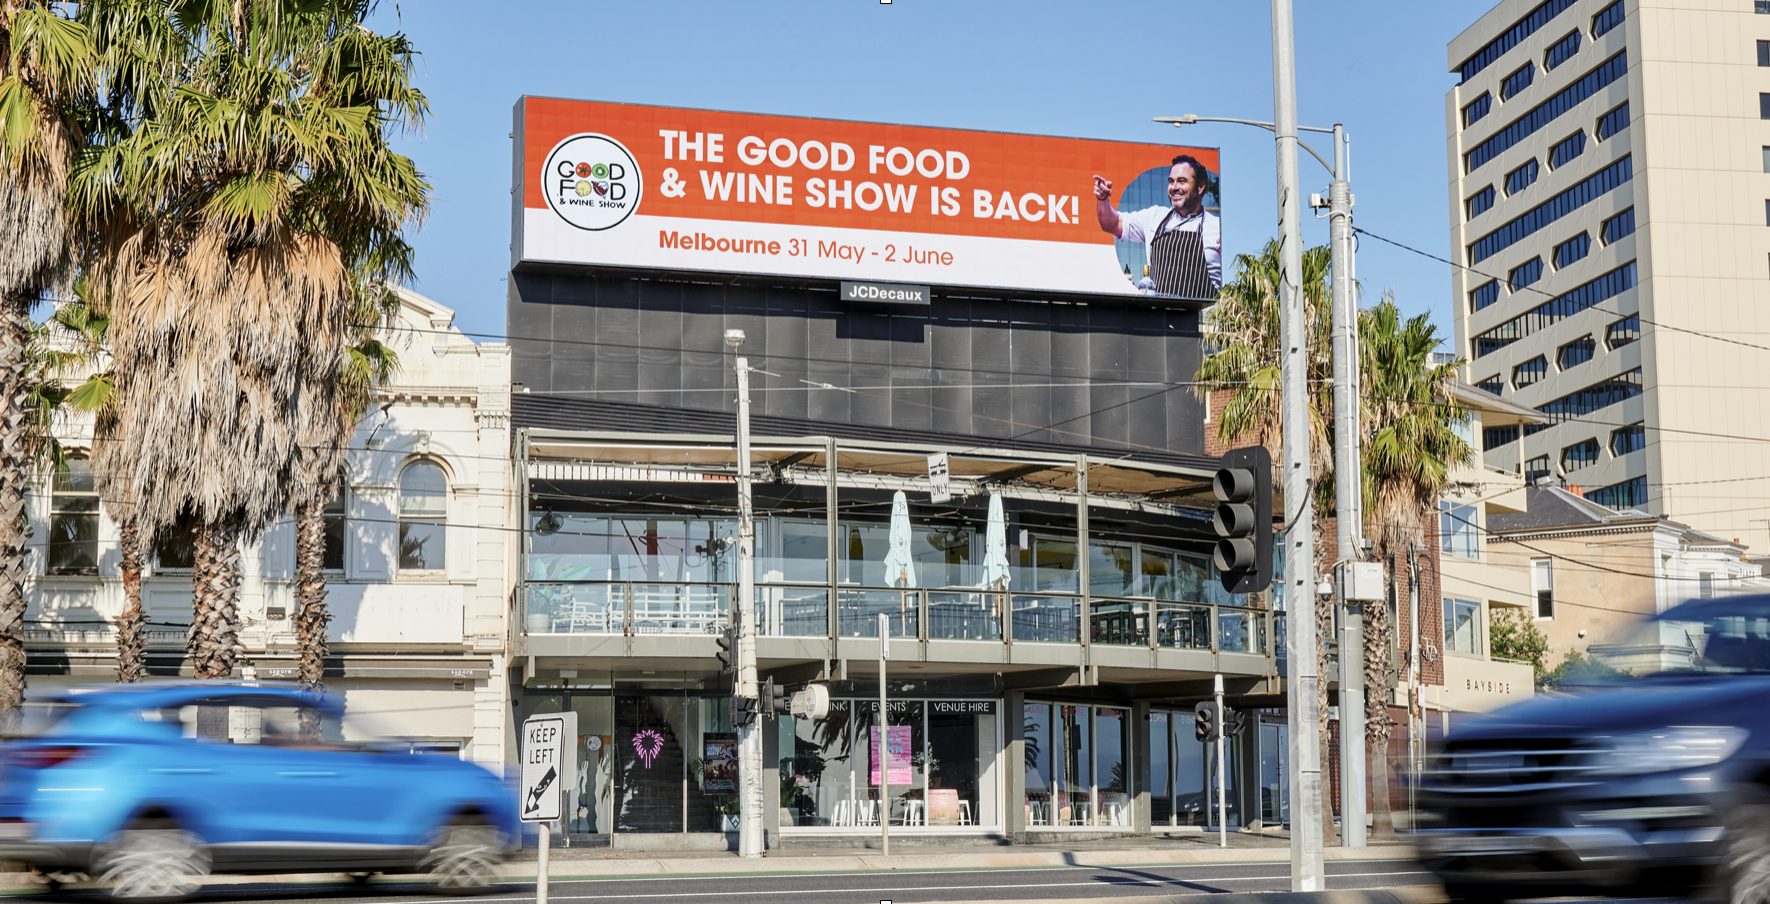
(148, 788)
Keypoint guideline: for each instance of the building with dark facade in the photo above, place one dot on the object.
(1058, 701)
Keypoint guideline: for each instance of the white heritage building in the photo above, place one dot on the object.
(419, 571)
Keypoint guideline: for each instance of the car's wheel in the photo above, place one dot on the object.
(1745, 873)
(465, 857)
(151, 863)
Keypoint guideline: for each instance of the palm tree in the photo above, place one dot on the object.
(1410, 446)
(244, 175)
(45, 73)
(368, 363)
(84, 333)
(1241, 333)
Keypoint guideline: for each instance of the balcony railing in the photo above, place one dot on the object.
(782, 610)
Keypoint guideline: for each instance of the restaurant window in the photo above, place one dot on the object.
(1462, 626)
(1080, 772)
(1542, 580)
(73, 520)
(1182, 773)
(938, 766)
(423, 511)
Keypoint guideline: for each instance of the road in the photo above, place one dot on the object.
(904, 887)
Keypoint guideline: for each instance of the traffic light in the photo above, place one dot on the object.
(743, 709)
(1243, 522)
(1205, 724)
(1234, 720)
(774, 699)
(727, 641)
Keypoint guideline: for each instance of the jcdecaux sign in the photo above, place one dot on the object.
(623, 185)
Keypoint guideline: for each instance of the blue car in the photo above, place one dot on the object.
(148, 788)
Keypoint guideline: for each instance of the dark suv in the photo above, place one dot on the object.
(1658, 781)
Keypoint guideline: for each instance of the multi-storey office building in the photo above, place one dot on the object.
(1608, 164)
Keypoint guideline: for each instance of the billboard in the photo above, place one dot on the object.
(624, 185)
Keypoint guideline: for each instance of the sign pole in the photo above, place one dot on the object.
(541, 870)
(884, 739)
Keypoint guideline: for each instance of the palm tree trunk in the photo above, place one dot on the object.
(131, 649)
(213, 642)
(1377, 666)
(311, 617)
(15, 464)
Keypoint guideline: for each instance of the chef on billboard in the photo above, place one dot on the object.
(1183, 240)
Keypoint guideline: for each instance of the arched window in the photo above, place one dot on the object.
(423, 508)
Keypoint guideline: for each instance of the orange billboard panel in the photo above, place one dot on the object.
(607, 184)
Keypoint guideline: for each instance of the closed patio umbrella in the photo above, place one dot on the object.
(900, 568)
(995, 547)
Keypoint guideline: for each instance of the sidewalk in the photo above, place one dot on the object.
(574, 863)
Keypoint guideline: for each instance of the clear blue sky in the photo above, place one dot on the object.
(1092, 70)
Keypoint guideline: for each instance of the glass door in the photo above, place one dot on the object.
(1275, 791)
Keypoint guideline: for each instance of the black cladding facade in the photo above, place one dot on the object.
(964, 366)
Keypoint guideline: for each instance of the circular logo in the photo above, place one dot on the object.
(594, 742)
(592, 182)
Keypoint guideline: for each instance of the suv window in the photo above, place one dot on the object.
(261, 721)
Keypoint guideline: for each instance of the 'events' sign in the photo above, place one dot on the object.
(624, 185)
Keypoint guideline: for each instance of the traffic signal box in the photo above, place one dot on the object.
(1243, 487)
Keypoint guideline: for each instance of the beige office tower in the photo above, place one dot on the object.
(1611, 203)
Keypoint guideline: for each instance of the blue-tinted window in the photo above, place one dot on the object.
(1582, 193)
(1567, 148)
(1522, 177)
(1530, 372)
(1562, 306)
(1632, 438)
(1607, 18)
(1764, 106)
(1492, 384)
(1476, 109)
(1494, 437)
(1561, 51)
(1573, 249)
(1763, 7)
(1629, 493)
(1623, 332)
(1517, 81)
(1596, 397)
(1479, 203)
(1544, 113)
(1484, 295)
(1616, 120)
(1524, 274)
(1575, 353)
(1764, 53)
(1536, 469)
(1509, 39)
(1582, 454)
(1767, 212)
(1618, 226)
(1767, 160)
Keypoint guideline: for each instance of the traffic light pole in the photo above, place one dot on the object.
(1222, 769)
(750, 840)
(1308, 872)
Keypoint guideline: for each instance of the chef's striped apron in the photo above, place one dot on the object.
(1177, 261)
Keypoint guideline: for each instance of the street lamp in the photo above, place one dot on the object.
(750, 733)
(1348, 501)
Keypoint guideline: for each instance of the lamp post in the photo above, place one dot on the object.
(750, 840)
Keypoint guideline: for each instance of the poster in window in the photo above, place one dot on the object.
(719, 769)
(897, 749)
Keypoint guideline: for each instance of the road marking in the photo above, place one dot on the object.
(603, 880)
